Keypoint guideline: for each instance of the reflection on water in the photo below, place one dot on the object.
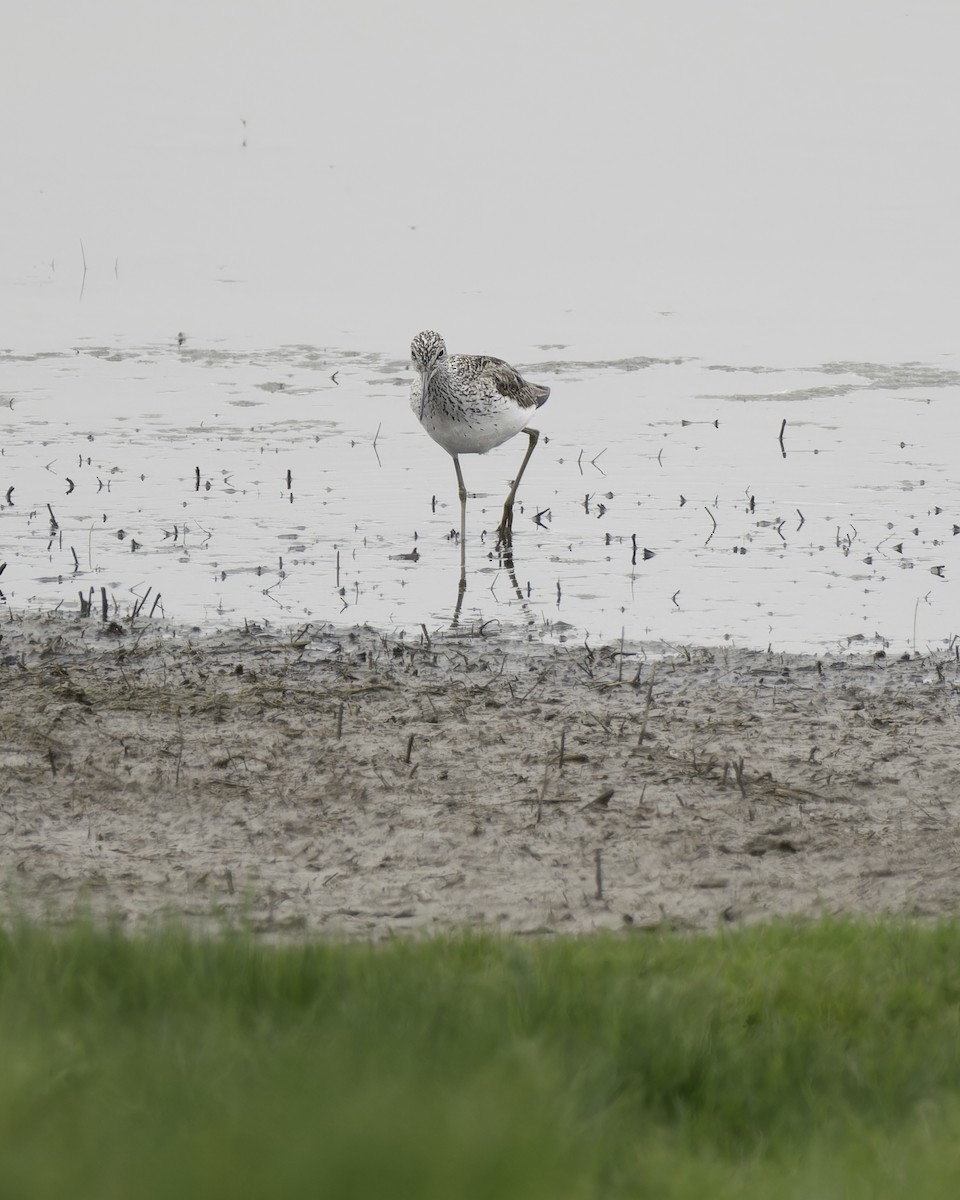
(671, 500)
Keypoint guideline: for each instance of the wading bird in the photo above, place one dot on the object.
(470, 403)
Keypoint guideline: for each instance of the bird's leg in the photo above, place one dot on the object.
(461, 592)
(505, 532)
(463, 526)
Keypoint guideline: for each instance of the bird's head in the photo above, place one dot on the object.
(427, 350)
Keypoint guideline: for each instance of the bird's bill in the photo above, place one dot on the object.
(424, 383)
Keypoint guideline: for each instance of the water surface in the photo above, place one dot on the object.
(693, 225)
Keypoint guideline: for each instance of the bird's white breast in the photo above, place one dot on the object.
(465, 426)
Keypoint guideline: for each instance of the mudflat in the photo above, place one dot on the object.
(352, 783)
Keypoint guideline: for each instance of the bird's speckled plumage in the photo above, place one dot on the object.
(469, 403)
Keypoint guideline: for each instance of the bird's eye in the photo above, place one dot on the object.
(440, 353)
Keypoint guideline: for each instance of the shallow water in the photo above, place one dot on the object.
(692, 229)
(298, 486)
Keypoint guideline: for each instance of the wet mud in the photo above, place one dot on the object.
(352, 784)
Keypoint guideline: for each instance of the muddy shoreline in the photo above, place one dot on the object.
(354, 784)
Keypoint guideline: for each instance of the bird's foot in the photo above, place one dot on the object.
(505, 530)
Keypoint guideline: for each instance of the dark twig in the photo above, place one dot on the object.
(646, 707)
(738, 775)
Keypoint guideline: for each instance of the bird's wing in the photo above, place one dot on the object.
(506, 380)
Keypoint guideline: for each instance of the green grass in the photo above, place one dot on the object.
(819, 1061)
